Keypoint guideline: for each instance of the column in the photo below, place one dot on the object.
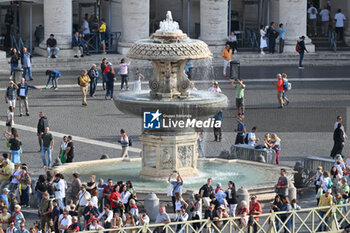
(213, 21)
(58, 21)
(293, 14)
(135, 23)
(346, 12)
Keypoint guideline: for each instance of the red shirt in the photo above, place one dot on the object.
(115, 196)
(257, 207)
(279, 85)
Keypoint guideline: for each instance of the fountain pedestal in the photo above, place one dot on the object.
(164, 153)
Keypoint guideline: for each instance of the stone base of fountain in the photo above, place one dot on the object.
(164, 153)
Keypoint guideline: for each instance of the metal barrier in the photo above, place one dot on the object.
(94, 46)
(18, 45)
(332, 39)
(295, 221)
(252, 38)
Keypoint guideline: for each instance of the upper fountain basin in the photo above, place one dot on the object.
(199, 104)
(150, 49)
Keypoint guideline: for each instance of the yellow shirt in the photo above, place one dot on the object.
(84, 80)
(325, 201)
(103, 28)
(5, 170)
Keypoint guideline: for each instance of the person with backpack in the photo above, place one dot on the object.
(103, 35)
(300, 48)
(285, 89)
(124, 142)
(54, 75)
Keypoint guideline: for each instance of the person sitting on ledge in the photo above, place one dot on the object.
(51, 45)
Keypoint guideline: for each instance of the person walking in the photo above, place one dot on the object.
(282, 33)
(15, 57)
(339, 18)
(231, 198)
(285, 89)
(227, 55)
(22, 95)
(312, 13)
(217, 130)
(69, 150)
(240, 87)
(272, 34)
(10, 94)
(301, 50)
(325, 17)
(110, 78)
(93, 78)
(124, 142)
(338, 138)
(124, 73)
(26, 64)
(48, 143)
(103, 67)
(84, 80)
(340, 120)
(263, 43)
(279, 88)
(43, 123)
(241, 131)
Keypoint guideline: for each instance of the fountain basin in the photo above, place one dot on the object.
(199, 104)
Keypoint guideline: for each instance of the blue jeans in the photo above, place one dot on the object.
(16, 156)
(93, 87)
(56, 50)
(13, 65)
(284, 94)
(104, 79)
(301, 58)
(200, 147)
(25, 196)
(323, 227)
(25, 69)
(43, 150)
(39, 196)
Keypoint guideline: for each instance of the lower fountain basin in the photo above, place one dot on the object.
(199, 104)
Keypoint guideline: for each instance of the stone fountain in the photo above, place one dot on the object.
(173, 148)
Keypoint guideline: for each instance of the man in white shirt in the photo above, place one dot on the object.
(325, 21)
(312, 12)
(85, 27)
(339, 24)
(252, 138)
(83, 200)
(60, 190)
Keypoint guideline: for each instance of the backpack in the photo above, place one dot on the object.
(330, 183)
(130, 141)
(79, 81)
(297, 48)
(246, 139)
(285, 84)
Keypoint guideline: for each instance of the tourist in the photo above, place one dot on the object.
(125, 194)
(84, 81)
(144, 219)
(15, 57)
(22, 95)
(95, 225)
(179, 202)
(69, 150)
(336, 178)
(94, 198)
(18, 217)
(4, 218)
(42, 125)
(181, 216)
(93, 79)
(84, 29)
(55, 215)
(133, 209)
(284, 217)
(15, 174)
(108, 189)
(282, 34)
(340, 120)
(295, 205)
(15, 149)
(40, 188)
(339, 201)
(189, 68)
(267, 140)
(252, 139)
(217, 129)
(124, 142)
(177, 188)
(326, 182)
(129, 222)
(272, 34)
(51, 45)
(263, 38)
(138, 80)
(53, 75)
(77, 45)
(276, 207)
(216, 87)
(339, 24)
(100, 186)
(22, 229)
(301, 50)
(241, 131)
(318, 177)
(211, 213)
(205, 191)
(243, 213)
(91, 185)
(45, 209)
(90, 212)
(60, 189)
(214, 201)
(325, 16)
(103, 35)
(83, 197)
(240, 87)
(124, 73)
(326, 199)
(254, 209)
(75, 226)
(192, 87)
(117, 221)
(200, 139)
(65, 222)
(338, 138)
(220, 194)
(227, 55)
(62, 152)
(231, 198)
(344, 189)
(276, 145)
(282, 186)
(110, 77)
(10, 118)
(90, 218)
(4, 195)
(232, 41)
(116, 201)
(25, 184)
(221, 212)
(211, 87)
(312, 13)
(285, 89)
(26, 58)
(48, 143)
(162, 217)
(104, 77)
(10, 94)
(106, 217)
(196, 210)
(11, 228)
(279, 88)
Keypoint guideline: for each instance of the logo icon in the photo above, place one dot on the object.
(151, 120)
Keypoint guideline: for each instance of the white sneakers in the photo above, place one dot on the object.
(262, 53)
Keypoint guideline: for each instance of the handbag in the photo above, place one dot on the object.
(251, 220)
(8, 123)
(319, 193)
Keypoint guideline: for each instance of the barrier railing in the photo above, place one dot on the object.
(94, 44)
(318, 219)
